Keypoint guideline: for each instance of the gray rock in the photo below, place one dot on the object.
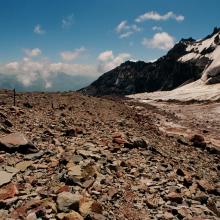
(34, 155)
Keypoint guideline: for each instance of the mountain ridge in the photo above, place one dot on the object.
(184, 63)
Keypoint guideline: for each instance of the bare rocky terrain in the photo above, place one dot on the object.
(69, 156)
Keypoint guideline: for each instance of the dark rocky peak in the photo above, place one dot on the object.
(178, 50)
(215, 31)
(187, 40)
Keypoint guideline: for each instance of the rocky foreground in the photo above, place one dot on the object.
(73, 157)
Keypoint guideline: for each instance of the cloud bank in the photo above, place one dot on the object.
(27, 70)
(34, 66)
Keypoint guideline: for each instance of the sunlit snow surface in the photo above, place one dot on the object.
(193, 91)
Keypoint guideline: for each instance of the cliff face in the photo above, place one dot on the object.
(184, 63)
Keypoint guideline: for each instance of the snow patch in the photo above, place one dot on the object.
(193, 91)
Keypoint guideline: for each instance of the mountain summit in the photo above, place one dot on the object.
(188, 61)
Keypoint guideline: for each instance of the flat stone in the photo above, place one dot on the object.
(5, 177)
(174, 197)
(88, 183)
(34, 155)
(22, 166)
(86, 154)
(70, 216)
(206, 186)
(75, 170)
(67, 201)
(11, 169)
(16, 142)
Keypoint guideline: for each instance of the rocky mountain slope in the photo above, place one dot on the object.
(68, 156)
(184, 63)
(203, 89)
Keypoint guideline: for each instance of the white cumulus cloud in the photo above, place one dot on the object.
(38, 29)
(32, 52)
(72, 55)
(153, 15)
(160, 40)
(125, 30)
(107, 60)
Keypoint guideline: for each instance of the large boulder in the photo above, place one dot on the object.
(16, 142)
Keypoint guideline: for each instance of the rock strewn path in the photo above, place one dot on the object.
(100, 159)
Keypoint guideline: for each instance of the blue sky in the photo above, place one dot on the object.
(96, 34)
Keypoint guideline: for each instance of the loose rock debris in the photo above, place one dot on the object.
(94, 158)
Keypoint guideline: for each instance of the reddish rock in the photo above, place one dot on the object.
(119, 140)
(117, 135)
(97, 208)
(63, 189)
(206, 186)
(8, 191)
(16, 142)
(174, 197)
